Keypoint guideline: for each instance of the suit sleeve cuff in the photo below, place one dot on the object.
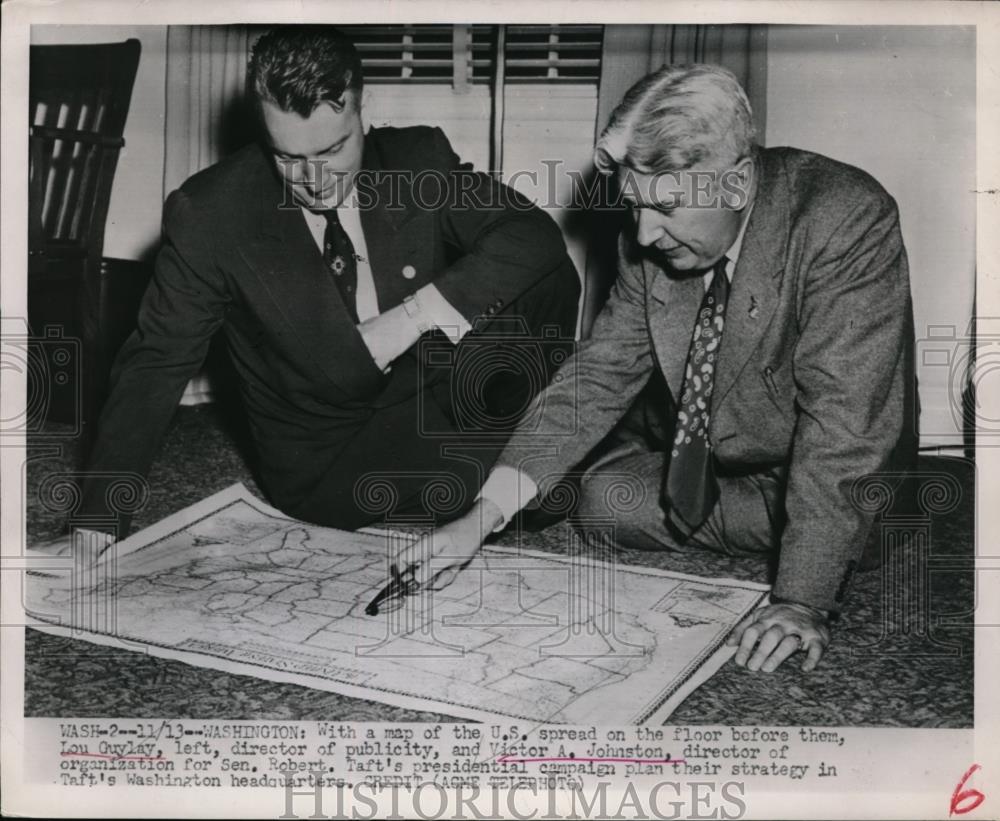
(442, 314)
(828, 614)
(510, 490)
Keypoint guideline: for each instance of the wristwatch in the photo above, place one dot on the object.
(414, 311)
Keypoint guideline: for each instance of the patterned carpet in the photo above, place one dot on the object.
(890, 665)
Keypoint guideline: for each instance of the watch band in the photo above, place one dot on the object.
(411, 304)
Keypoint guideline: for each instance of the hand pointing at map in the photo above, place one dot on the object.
(441, 554)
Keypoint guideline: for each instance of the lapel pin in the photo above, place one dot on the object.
(754, 307)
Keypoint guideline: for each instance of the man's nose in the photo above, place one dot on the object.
(649, 227)
(304, 173)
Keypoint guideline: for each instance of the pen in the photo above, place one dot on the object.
(399, 586)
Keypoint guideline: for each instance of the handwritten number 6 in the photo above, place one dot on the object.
(960, 796)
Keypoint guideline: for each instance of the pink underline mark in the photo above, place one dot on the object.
(506, 759)
(111, 757)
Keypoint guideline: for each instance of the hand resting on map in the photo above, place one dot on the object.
(774, 632)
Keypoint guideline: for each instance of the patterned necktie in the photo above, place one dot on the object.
(338, 254)
(690, 485)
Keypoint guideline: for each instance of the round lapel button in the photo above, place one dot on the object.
(409, 271)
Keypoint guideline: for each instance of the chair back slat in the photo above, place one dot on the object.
(79, 98)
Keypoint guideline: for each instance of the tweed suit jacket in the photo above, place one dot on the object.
(238, 257)
(814, 381)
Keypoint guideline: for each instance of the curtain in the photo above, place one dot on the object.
(631, 52)
(205, 116)
(628, 54)
(206, 119)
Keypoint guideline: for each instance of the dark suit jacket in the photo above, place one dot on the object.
(238, 256)
(814, 379)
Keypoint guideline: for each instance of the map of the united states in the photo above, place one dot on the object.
(231, 583)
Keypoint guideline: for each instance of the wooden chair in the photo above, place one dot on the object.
(79, 98)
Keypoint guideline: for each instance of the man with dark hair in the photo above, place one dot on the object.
(301, 67)
(331, 277)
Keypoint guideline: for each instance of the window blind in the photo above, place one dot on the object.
(463, 54)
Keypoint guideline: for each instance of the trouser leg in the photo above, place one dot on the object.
(426, 456)
(508, 358)
(390, 472)
(624, 490)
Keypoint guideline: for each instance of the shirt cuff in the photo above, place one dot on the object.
(510, 490)
(442, 314)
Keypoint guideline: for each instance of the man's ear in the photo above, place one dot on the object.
(745, 169)
(365, 104)
(738, 182)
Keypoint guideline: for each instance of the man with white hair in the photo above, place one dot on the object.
(769, 287)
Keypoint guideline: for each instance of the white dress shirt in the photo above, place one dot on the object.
(429, 301)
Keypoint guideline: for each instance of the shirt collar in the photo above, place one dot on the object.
(733, 254)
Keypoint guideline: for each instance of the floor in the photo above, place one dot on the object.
(887, 666)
